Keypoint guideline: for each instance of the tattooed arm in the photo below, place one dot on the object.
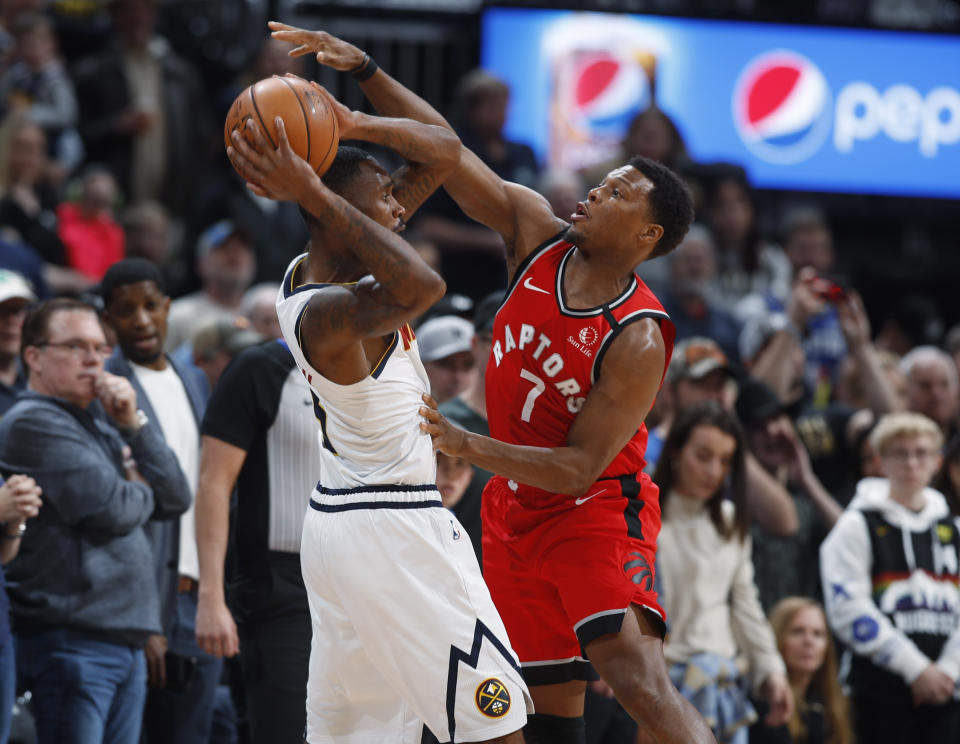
(401, 287)
(431, 152)
(521, 216)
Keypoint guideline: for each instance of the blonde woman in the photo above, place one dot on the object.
(821, 714)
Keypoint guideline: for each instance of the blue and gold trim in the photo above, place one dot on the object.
(290, 287)
(385, 357)
(321, 414)
(355, 505)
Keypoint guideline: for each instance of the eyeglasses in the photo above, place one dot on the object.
(78, 348)
(901, 455)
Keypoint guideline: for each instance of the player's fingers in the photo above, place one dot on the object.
(242, 165)
(232, 645)
(258, 190)
(243, 157)
(282, 142)
(429, 400)
(278, 26)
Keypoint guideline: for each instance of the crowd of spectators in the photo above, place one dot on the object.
(809, 462)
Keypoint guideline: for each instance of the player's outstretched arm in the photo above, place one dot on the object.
(403, 286)
(612, 413)
(431, 152)
(479, 192)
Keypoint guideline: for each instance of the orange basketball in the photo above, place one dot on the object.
(310, 124)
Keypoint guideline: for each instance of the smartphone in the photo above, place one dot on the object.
(180, 671)
(828, 289)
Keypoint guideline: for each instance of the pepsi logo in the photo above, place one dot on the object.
(607, 90)
(781, 107)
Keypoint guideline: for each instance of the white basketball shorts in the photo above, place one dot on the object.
(404, 630)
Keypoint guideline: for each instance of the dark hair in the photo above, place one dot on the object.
(670, 200)
(344, 168)
(37, 323)
(678, 148)
(942, 482)
(129, 271)
(708, 413)
(716, 176)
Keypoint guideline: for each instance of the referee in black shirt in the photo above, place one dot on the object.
(257, 437)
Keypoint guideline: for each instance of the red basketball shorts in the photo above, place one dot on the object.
(563, 576)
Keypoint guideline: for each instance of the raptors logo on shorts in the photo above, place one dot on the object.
(492, 698)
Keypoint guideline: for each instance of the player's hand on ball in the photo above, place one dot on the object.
(279, 173)
(447, 438)
(330, 50)
(347, 119)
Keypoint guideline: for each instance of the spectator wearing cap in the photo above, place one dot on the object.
(699, 370)
(226, 265)
(218, 341)
(258, 440)
(785, 566)
(15, 297)
(83, 590)
(932, 386)
(182, 678)
(469, 410)
(446, 348)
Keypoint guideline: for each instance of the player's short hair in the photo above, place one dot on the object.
(129, 271)
(345, 167)
(904, 424)
(671, 202)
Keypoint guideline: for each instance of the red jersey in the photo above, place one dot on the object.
(546, 356)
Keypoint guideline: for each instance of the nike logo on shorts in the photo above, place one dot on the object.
(585, 499)
(528, 285)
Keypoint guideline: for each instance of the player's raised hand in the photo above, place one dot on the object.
(276, 173)
(347, 119)
(447, 438)
(330, 51)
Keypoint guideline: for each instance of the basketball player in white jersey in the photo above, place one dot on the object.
(404, 630)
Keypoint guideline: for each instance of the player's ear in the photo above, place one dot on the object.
(649, 234)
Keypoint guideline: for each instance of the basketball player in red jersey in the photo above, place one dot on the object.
(580, 349)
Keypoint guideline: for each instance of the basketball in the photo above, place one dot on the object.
(310, 124)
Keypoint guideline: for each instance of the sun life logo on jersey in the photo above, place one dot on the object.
(589, 335)
(493, 698)
(781, 107)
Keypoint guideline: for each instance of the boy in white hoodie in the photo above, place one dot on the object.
(890, 580)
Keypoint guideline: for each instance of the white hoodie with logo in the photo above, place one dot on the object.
(922, 597)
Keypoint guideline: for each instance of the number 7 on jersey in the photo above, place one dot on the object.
(538, 387)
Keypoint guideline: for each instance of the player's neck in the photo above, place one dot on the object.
(590, 280)
(325, 268)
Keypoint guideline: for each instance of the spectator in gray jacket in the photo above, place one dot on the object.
(83, 592)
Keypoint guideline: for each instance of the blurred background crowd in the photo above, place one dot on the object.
(803, 320)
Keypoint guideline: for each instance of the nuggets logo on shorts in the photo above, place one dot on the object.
(492, 698)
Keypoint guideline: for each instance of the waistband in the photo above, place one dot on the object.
(379, 496)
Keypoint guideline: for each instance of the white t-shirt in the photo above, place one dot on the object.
(175, 417)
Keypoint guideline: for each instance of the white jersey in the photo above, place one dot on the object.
(382, 560)
(370, 430)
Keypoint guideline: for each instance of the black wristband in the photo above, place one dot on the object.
(366, 69)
